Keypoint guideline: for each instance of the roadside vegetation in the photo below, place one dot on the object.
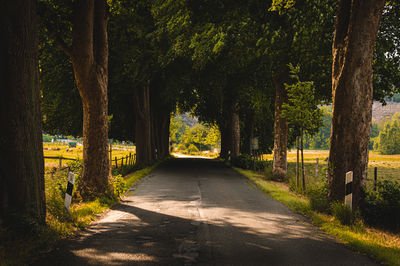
(60, 222)
(382, 245)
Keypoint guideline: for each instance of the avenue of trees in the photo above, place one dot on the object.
(118, 69)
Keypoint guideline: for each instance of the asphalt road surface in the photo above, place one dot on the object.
(200, 212)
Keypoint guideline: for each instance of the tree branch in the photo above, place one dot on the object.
(63, 46)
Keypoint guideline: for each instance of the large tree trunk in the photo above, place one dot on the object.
(143, 125)
(89, 57)
(248, 131)
(224, 141)
(164, 135)
(356, 28)
(160, 133)
(279, 166)
(230, 133)
(234, 122)
(21, 166)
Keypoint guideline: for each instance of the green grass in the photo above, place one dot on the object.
(383, 247)
(60, 224)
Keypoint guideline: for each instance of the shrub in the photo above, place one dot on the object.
(119, 185)
(343, 213)
(181, 147)
(244, 161)
(382, 207)
(192, 149)
(319, 199)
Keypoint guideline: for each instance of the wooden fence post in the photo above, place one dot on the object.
(134, 157)
(317, 168)
(122, 161)
(60, 162)
(116, 162)
(375, 177)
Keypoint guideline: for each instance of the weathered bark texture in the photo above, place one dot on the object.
(356, 28)
(21, 151)
(230, 133)
(89, 56)
(224, 141)
(235, 130)
(248, 131)
(143, 125)
(160, 133)
(279, 166)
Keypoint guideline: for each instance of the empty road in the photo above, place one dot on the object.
(200, 212)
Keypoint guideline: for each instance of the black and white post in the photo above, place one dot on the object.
(348, 198)
(70, 187)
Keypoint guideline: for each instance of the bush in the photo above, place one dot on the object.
(244, 161)
(342, 213)
(382, 207)
(319, 199)
(119, 185)
(192, 149)
(181, 147)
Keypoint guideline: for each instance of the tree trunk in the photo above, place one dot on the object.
(356, 28)
(89, 57)
(297, 162)
(249, 131)
(234, 129)
(224, 141)
(22, 195)
(143, 125)
(279, 167)
(303, 171)
(160, 132)
(230, 133)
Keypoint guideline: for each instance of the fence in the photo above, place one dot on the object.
(127, 160)
(60, 158)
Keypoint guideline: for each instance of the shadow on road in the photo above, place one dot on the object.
(249, 229)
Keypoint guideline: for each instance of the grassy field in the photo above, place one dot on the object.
(63, 150)
(388, 165)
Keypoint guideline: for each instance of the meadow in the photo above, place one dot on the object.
(388, 166)
(63, 150)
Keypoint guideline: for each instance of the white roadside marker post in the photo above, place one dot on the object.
(348, 198)
(70, 187)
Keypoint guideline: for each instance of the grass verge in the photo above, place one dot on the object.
(21, 250)
(381, 246)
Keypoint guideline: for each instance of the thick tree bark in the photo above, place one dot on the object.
(279, 167)
(143, 138)
(230, 133)
(303, 170)
(297, 162)
(356, 28)
(21, 166)
(235, 130)
(248, 131)
(160, 133)
(224, 141)
(89, 57)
